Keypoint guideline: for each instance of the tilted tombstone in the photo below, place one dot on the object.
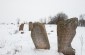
(39, 36)
(21, 27)
(66, 30)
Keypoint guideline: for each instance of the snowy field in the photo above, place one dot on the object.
(12, 42)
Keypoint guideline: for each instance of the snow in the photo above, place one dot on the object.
(78, 42)
(12, 42)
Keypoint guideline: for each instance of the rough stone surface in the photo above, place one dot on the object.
(39, 36)
(66, 30)
(21, 27)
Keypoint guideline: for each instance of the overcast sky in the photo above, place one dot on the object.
(40, 8)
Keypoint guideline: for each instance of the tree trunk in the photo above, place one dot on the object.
(66, 30)
(39, 36)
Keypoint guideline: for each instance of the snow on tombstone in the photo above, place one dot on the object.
(39, 36)
(66, 30)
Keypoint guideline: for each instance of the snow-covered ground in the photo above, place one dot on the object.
(12, 42)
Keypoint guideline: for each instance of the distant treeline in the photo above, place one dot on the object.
(54, 20)
(81, 21)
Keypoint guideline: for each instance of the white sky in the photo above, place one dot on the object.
(40, 8)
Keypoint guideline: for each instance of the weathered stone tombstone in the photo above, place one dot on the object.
(39, 36)
(21, 27)
(66, 30)
(30, 26)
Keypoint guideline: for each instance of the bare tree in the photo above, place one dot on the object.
(57, 18)
(81, 20)
(43, 21)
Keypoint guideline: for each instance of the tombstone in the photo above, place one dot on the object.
(66, 30)
(21, 27)
(30, 26)
(39, 36)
